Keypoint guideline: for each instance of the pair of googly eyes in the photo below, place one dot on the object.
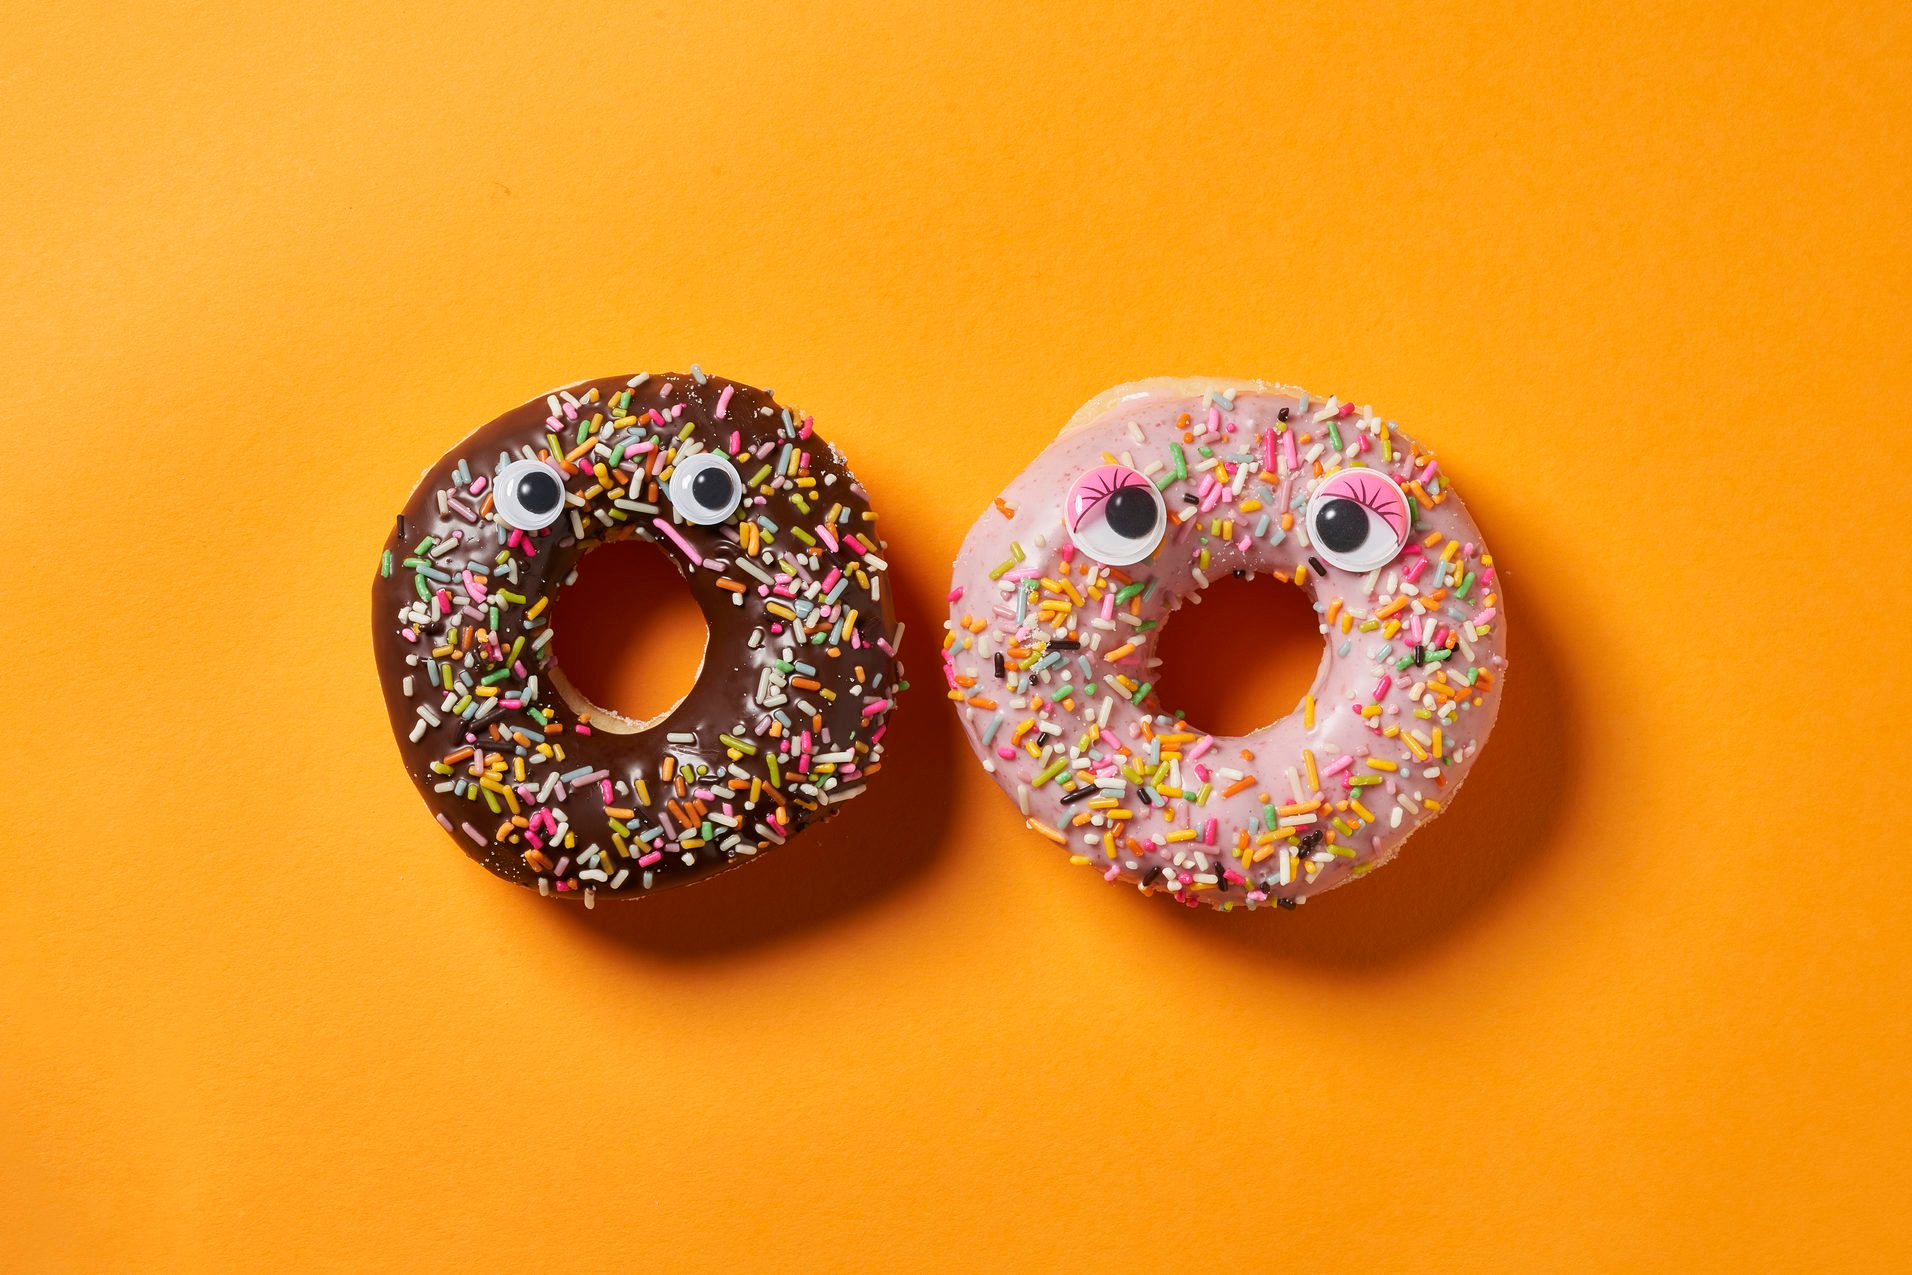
(1357, 519)
(705, 489)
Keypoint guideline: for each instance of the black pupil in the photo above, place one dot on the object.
(710, 488)
(1341, 525)
(1131, 514)
(538, 492)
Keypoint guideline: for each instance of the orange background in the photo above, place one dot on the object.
(1638, 1003)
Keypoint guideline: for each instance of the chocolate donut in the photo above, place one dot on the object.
(778, 544)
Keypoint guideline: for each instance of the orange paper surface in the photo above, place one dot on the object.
(1637, 273)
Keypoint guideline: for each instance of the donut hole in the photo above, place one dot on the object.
(1239, 655)
(628, 636)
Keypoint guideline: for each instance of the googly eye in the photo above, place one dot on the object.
(1357, 519)
(705, 488)
(529, 494)
(1115, 515)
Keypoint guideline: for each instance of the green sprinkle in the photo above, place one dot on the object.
(385, 565)
(1050, 772)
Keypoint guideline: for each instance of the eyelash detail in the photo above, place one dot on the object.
(1099, 494)
(1371, 499)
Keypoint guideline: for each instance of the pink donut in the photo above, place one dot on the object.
(1154, 489)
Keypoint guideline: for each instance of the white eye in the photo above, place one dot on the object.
(705, 488)
(529, 494)
(1115, 515)
(1357, 519)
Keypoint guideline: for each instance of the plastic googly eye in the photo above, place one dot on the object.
(529, 495)
(705, 488)
(1357, 520)
(1115, 515)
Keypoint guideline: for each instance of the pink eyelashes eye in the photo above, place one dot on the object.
(1378, 494)
(1358, 519)
(1115, 515)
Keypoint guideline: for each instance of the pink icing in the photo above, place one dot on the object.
(1174, 808)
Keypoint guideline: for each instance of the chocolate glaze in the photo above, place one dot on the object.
(724, 698)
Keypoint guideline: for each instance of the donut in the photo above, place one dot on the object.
(1153, 490)
(779, 546)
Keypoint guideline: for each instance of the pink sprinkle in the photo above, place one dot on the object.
(1208, 832)
(478, 485)
(1268, 451)
(1202, 745)
(875, 706)
(1339, 764)
(955, 594)
(679, 541)
(1381, 687)
(1289, 460)
(646, 861)
(1214, 418)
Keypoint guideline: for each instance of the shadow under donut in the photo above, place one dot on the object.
(871, 847)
